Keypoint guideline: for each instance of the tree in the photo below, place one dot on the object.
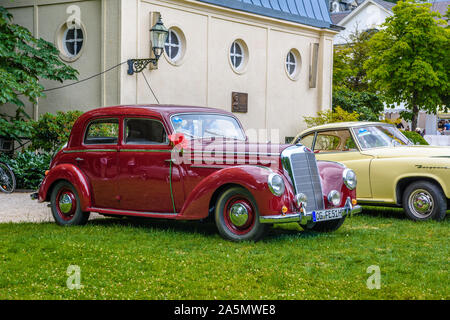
(24, 60)
(351, 90)
(409, 60)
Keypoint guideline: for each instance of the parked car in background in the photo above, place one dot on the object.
(391, 170)
(188, 163)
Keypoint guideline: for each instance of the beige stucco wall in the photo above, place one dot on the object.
(118, 30)
(205, 77)
(101, 22)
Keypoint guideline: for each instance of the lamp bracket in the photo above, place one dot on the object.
(137, 65)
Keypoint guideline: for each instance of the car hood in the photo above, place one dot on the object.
(409, 152)
(230, 146)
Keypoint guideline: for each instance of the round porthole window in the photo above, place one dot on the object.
(292, 64)
(238, 56)
(71, 40)
(175, 46)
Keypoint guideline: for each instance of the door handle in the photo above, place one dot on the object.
(79, 159)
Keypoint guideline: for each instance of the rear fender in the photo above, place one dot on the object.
(72, 174)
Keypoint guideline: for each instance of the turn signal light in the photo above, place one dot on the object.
(354, 202)
(46, 172)
(284, 209)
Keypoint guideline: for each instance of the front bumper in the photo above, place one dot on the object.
(304, 218)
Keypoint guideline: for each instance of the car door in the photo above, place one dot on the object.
(339, 145)
(145, 167)
(98, 160)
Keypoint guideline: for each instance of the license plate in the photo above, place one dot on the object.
(330, 214)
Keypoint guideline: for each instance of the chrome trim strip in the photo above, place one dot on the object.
(210, 166)
(235, 153)
(146, 150)
(90, 150)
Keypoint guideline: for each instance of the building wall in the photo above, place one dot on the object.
(118, 30)
(99, 18)
(204, 77)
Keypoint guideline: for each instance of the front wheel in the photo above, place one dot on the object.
(237, 216)
(7, 178)
(423, 200)
(66, 205)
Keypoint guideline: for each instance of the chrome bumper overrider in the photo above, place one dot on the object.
(304, 218)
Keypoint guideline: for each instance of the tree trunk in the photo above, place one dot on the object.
(415, 117)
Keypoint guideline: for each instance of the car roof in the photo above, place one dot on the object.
(342, 125)
(151, 109)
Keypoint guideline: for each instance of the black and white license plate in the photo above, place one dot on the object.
(329, 214)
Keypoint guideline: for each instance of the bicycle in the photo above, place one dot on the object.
(7, 178)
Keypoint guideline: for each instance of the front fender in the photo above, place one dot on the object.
(72, 174)
(253, 178)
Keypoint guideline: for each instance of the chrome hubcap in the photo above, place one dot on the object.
(238, 214)
(65, 203)
(421, 203)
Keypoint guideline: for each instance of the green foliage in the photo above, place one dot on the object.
(24, 60)
(351, 90)
(15, 129)
(368, 105)
(409, 59)
(415, 137)
(51, 131)
(330, 116)
(348, 66)
(28, 167)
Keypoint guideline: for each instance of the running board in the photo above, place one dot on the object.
(134, 213)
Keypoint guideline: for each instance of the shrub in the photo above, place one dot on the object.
(51, 131)
(415, 137)
(28, 167)
(368, 105)
(330, 116)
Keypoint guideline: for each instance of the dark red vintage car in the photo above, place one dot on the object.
(188, 163)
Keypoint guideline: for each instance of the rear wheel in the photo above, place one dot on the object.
(66, 206)
(424, 200)
(237, 216)
(325, 226)
(7, 178)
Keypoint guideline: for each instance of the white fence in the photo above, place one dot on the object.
(438, 140)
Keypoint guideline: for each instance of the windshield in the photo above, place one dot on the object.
(379, 136)
(201, 125)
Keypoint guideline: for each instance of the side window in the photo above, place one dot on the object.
(144, 131)
(334, 141)
(308, 140)
(102, 131)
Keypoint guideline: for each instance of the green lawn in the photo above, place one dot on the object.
(120, 259)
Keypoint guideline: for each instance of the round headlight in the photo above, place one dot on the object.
(334, 197)
(276, 184)
(349, 178)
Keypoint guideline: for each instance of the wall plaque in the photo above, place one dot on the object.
(239, 102)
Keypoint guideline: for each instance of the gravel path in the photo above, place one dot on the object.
(18, 207)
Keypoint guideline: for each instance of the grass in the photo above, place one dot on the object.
(120, 259)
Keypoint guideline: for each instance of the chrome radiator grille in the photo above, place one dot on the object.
(302, 168)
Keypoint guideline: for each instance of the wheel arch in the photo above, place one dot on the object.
(71, 174)
(403, 183)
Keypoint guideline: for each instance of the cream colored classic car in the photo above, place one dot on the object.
(391, 171)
